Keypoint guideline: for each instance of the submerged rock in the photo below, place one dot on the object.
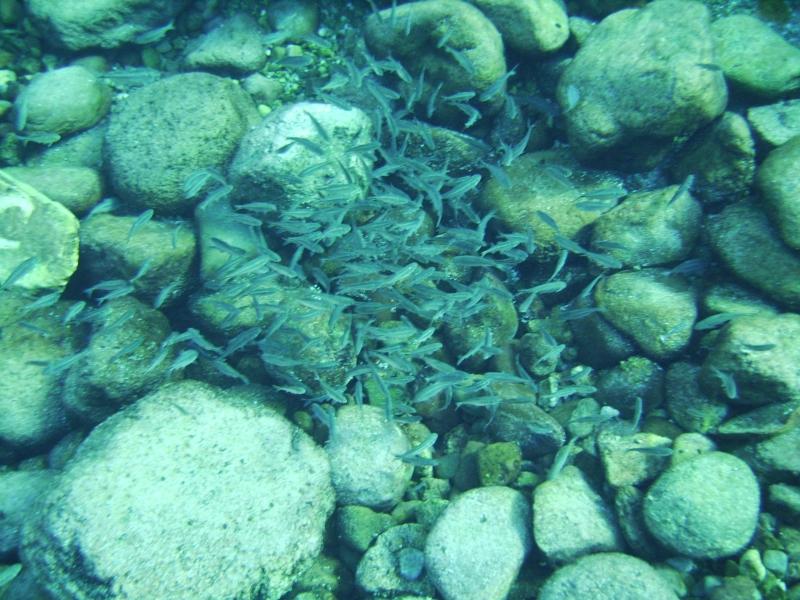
(192, 492)
(641, 79)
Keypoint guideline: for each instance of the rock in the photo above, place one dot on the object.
(499, 319)
(786, 497)
(690, 407)
(776, 456)
(499, 463)
(630, 460)
(19, 493)
(32, 415)
(570, 519)
(632, 378)
(82, 149)
(754, 57)
(158, 256)
(657, 311)
(550, 182)
(653, 228)
(760, 353)
(448, 38)
(607, 576)
(534, 429)
(528, 26)
(638, 82)
(77, 188)
(363, 450)
(36, 229)
(775, 124)
(62, 101)
(704, 507)
(778, 181)
(236, 44)
(103, 23)
(358, 526)
(721, 157)
(192, 492)
(743, 238)
(628, 510)
(484, 530)
(294, 314)
(114, 368)
(384, 570)
(268, 160)
(295, 17)
(166, 131)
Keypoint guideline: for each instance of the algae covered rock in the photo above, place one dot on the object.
(103, 23)
(62, 101)
(778, 180)
(77, 188)
(775, 124)
(192, 492)
(528, 26)
(236, 44)
(451, 40)
(755, 57)
(640, 80)
(748, 244)
(166, 131)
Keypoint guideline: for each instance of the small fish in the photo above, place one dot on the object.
(140, 222)
(295, 62)
(661, 451)
(715, 321)
(154, 35)
(183, 360)
(728, 383)
(427, 443)
(45, 138)
(561, 458)
(573, 97)
(307, 144)
(73, 311)
(684, 187)
(548, 220)
(126, 349)
(45, 301)
(164, 294)
(19, 272)
(690, 267)
(497, 86)
(106, 205)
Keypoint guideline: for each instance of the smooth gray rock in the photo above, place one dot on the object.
(478, 544)
(363, 451)
(778, 180)
(639, 81)
(166, 131)
(756, 58)
(607, 576)
(570, 519)
(62, 101)
(103, 23)
(704, 507)
(192, 492)
(267, 162)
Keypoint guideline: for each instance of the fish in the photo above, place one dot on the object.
(20, 271)
(682, 189)
(154, 35)
(140, 222)
(497, 86)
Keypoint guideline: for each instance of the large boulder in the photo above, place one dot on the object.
(192, 492)
(643, 78)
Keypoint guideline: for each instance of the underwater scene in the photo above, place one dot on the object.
(425, 300)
